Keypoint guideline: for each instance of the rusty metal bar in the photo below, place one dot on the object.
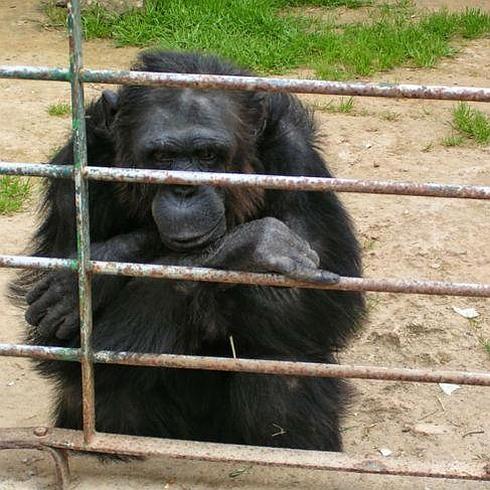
(58, 456)
(285, 368)
(261, 84)
(37, 169)
(27, 262)
(290, 368)
(61, 466)
(279, 182)
(40, 352)
(411, 286)
(204, 274)
(43, 73)
(263, 456)
(82, 216)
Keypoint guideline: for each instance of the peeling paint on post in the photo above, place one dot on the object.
(82, 211)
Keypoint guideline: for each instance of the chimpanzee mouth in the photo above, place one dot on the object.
(197, 241)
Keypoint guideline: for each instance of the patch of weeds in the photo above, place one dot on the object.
(344, 106)
(56, 16)
(368, 244)
(59, 109)
(476, 325)
(390, 116)
(372, 302)
(472, 123)
(453, 140)
(428, 147)
(14, 191)
(97, 21)
(486, 346)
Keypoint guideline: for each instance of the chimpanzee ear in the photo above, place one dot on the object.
(110, 104)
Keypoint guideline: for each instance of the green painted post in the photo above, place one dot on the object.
(82, 210)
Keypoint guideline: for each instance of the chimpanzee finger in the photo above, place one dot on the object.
(301, 245)
(302, 270)
(286, 265)
(38, 290)
(53, 318)
(69, 327)
(37, 310)
(314, 275)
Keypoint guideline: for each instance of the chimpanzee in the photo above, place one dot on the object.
(300, 234)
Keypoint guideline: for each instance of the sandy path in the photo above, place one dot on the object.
(403, 237)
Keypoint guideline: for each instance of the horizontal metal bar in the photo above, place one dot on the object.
(411, 286)
(233, 453)
(22, 72)
(36, 169)
(27, 262)
(408, 286)
(290, 368)
(278, 182)
(286, 368)
(288, 182)
(40, 352)
(266, 84)
(263, 84)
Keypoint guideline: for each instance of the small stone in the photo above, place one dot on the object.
(385, 452)
(430, 429)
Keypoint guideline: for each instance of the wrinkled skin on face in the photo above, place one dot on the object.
(182, 130)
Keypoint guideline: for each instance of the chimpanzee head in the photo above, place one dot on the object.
(193, 130)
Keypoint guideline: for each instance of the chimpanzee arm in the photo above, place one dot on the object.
(53, 297)
(53, 301)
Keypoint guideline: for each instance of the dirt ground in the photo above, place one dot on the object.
(402, 237)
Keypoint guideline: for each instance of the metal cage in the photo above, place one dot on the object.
(57, 441)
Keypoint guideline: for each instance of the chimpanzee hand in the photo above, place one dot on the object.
(269, 245)
(53, 301)
(53, 305)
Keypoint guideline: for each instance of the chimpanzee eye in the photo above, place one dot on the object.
(206, 154)
(162, 156)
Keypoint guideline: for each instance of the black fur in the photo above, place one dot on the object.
(274, 134)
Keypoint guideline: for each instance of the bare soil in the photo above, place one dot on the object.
(402, 237)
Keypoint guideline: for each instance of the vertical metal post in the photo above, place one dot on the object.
(82, 211)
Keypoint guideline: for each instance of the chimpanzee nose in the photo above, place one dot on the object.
(183, 190)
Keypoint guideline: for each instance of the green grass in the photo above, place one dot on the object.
(344, 106)
(471, 123)
(486, 346)
(390, 116)
(351, 4)
(59, 109)
(453, 140)
(269, 37)
(13, 193)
